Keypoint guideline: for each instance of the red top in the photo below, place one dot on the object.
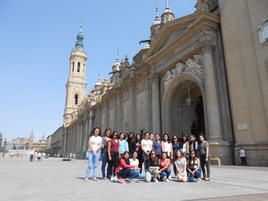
(164, 163)
(122, 164)
(114, 146)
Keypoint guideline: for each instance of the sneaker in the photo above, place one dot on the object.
(198, 179)
(112, 179)
(86, 179)
(164, 179)
(169, 177)
(104, 179)
(95, 179)
(121, 181)
(167, 180)
(115, 179)
(131, 180)
(155, 180)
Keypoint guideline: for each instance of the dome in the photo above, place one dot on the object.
(80, 36)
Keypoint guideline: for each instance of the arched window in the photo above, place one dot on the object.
(78, 67)
(75, 99)
(72, 66)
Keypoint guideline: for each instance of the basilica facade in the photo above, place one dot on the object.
(204, 73)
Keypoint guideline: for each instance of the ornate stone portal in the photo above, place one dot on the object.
(193, 65)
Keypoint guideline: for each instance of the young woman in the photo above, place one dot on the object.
(123, 144)
(185, 146)
(194, 145)
(180, 164)
(176, 145)
(151, 167)
(131, 142)
(104, 151)
(164, 164)
(135, 162)
(125, 170)
(113, 155)
(157, 146)
(146, 145)
(151, 137)
(204, 157)
(139, 150)
(193, 167)
(94, 146)
(166, 145)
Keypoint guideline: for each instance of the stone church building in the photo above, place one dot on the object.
(204, 73)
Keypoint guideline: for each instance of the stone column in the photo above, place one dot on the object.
(207, 42)
(133, 109)
(155, 103)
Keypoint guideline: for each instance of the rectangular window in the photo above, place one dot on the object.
(75, 99)
(78, 67)
(73, 67)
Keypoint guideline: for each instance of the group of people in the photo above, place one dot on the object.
(36, 156)
(128, 155)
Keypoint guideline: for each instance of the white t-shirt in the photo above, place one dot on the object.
(242, 153)
(147, 144)
(134, 163)
(167, 147)
(95, 142)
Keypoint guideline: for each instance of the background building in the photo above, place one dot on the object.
(204, 73)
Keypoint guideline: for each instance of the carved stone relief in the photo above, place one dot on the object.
(193, 65)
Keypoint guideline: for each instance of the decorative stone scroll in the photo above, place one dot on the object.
(193, 65)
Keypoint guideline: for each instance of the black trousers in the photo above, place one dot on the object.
(112, 164)
(203, 164)
(243, 161)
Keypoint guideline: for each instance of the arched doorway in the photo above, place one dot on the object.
(180, 117)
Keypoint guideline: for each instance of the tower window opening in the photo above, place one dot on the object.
(78, 67)
(73, 67)
(75, 99)
(84, 68)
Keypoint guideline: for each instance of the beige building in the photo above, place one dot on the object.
(206, 72)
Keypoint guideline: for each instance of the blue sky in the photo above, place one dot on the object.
(37, 38)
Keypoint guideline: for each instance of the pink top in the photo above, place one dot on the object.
(122, 164)
(163, 163)
(114, 146)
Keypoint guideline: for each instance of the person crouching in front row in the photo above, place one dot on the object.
(125, 170)
(151, 167)
(194, 173)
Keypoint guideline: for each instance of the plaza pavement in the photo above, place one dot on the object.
(53, 179)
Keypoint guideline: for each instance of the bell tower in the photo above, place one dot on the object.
(168, 15)
(76, 84)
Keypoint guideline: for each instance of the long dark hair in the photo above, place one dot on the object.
(127, 160)
(149, 156)
(182, 141)
(93, 131)
(163, 139)
(112, 134)
(131, 139)
(136, 140)
(106, 130)
(191, 158)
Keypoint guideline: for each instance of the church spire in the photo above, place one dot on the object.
(168, 15)
(79, 43)
(157, 18)
(167, 6)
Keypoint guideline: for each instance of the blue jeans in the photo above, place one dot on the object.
(92, 161)
(140, 176)
(165, 173)
(104, 156)
(127, 172)
(197, 175)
